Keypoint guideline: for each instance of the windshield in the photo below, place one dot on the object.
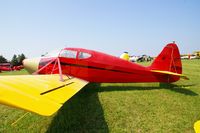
(54, 53)
(68, 53)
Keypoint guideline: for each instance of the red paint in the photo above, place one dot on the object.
(101, 67)
(17, 68)
(4, 68)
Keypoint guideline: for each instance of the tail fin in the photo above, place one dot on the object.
(168, 60)
(168, 63)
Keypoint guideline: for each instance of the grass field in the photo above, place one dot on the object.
(132, 107)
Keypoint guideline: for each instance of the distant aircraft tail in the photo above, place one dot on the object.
(168, 64)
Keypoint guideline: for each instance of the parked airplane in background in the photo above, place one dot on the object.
(9, 67)
(57, 79)
(5, 67)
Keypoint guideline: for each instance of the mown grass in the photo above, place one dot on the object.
(131, 107)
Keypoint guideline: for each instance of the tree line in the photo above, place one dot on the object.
(16, 59)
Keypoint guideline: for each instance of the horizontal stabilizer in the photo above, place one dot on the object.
(42, 94)
(171, 73)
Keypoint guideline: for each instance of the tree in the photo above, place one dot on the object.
(3, 59)
(14, 60)
(17, 60)
(20, 58)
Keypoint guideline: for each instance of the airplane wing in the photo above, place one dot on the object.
(42, 94)
(171, 73)
(197, 127)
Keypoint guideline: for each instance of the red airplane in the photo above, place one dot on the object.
(59, 78)
(15, 68)
(3, 68)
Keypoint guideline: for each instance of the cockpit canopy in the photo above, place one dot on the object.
(74, 54)
(68, 53)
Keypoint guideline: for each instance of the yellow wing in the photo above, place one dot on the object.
(171, 73)
(42, 94)
(197, 127)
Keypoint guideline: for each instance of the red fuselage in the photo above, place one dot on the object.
(95, 66)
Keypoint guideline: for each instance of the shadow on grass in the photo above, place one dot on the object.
(179, 88)
(82, 113)
(172, 87)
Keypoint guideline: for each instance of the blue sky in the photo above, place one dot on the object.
(111, 26)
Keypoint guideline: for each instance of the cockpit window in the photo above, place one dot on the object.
(68, 54)
(83, 55)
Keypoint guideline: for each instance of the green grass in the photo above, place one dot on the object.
(21, 72)
(131, 107)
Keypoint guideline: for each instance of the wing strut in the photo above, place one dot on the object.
(36, 72)
(60, 70)
(57, 61)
